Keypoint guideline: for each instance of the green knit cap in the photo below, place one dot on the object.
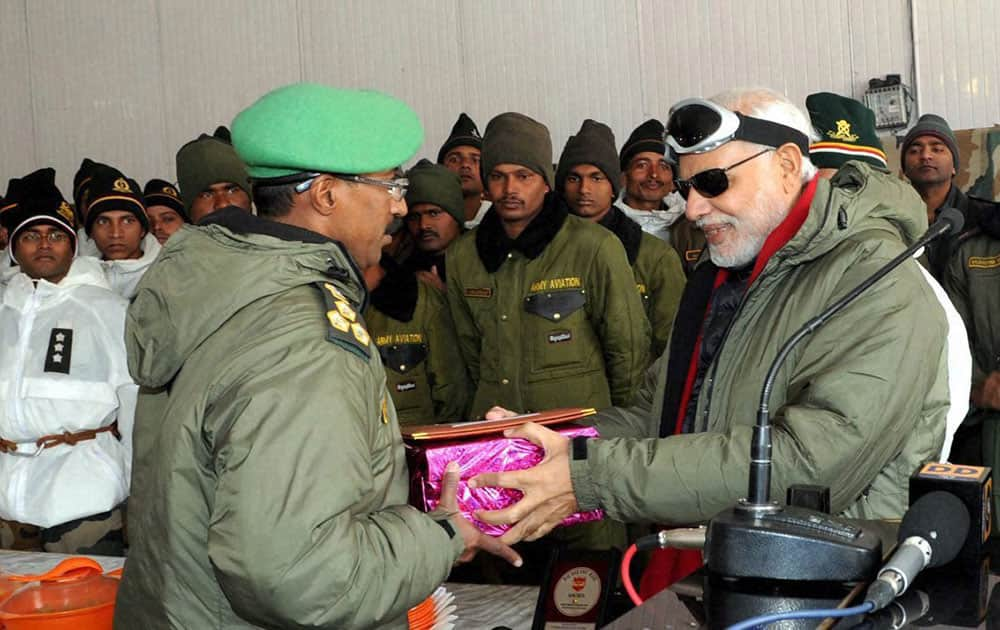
(513, 138)
(593, 144)
(206, 161)
(847, 132)
(435, 184)
(305, 127)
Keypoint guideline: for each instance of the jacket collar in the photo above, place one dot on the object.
(150, 250)
(396, 295)
(627, 231)
(493, 244)
(240, 221)
(85, 271)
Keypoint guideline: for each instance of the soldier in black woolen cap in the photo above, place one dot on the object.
(164, 208)
(461, 153)
(38, 202)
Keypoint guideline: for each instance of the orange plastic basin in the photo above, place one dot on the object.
(75, 595)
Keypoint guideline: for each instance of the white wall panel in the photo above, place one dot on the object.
(412, 51)
(95, 76)
(217, 58)
(559, 61)
(128, 81)
(17, 137)
(958, 69)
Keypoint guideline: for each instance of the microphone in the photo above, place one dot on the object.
(931, 534)
(950, 221)
(758, 538)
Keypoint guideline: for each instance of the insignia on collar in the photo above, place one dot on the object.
(346, 328)
(57, 358)
(843, 132)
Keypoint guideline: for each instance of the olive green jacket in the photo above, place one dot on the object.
(561, 326)
(269, 485)
(859, 405)
(416, 339)
(972, 280)
(660, 279)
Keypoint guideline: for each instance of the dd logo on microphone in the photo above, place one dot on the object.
(973, 485)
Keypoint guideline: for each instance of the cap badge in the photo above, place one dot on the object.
(121, 185)
(65, 211)
(843, 132)
(169, 190)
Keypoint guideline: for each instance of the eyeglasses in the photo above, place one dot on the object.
(54, 237)
(711, 182)
(396, 187)
(698, 126)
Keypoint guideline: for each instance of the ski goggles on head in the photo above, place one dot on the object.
(696, 125)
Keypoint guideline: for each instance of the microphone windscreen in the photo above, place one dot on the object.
(952, 217)
(942, 520)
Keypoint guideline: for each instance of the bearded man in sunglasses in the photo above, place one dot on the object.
(850, 411)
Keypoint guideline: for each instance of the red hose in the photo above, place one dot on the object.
(627, 578)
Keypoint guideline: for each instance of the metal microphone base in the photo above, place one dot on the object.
(768, 541)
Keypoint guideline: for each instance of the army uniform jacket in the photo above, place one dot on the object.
(270, 486)
(859, 405)
(552, 319)
(412, 328)
(658, 275)
(972, 279)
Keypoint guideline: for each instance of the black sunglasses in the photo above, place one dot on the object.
(711, 182)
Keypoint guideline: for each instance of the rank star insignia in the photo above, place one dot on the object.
(58, 347)
(337, 321)
(57, 358)
(346, 311)
(60, 337)
(337, 295)
(360, 333)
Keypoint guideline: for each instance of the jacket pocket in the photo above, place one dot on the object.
(403, 357)
(557, 333)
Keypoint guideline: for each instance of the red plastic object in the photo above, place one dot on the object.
(75, 595)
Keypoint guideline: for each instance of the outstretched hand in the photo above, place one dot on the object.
(473, 538)
(548, 491)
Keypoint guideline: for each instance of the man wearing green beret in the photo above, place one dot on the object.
(435, 217)
(588, 176)
(211, 175)
(270, 484)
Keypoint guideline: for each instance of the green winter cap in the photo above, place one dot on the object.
(847, 132)
(206, 161)
(435, 184)
(305, 127)
(593, 144)
(513, 138)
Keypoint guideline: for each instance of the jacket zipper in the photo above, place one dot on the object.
(22, 357)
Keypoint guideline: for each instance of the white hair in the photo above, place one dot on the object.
(769, 105)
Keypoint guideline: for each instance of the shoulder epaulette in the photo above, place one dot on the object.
(345, 326)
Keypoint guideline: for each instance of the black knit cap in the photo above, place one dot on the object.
(36, 199)
(646, 137)
(931, 125)
(160, 192)
(513, 138)
(463, 134)
(113, 191)
(81, 183)
(593, 144)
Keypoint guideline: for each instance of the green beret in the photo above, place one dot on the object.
(305, 127)
(846, 129)
(435, 184)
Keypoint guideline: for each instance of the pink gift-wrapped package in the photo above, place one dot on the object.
(427, 461)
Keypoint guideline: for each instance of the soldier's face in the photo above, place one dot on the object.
(118, 235)
(648, 177)
(928, 161)
(588, 192)
(432, 228)
(216, 197)
(163, 221)
(517, 192)
(365, 213)
(464, 162)
(44, 252)
(738, 221)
